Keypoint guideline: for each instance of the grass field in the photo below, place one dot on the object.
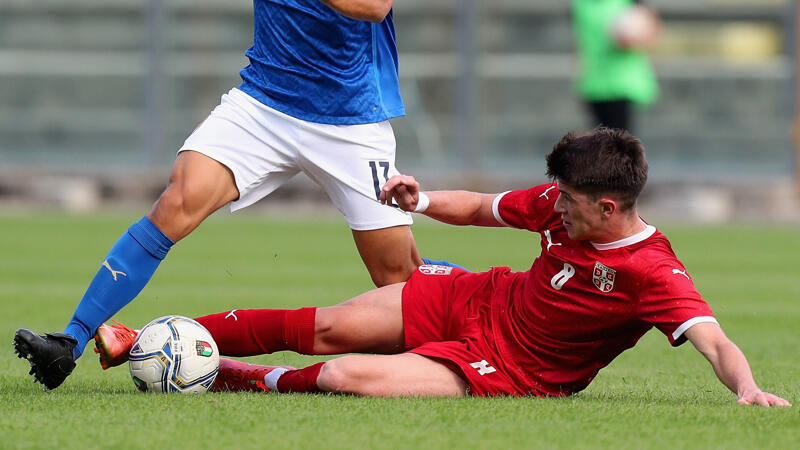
(653, 396)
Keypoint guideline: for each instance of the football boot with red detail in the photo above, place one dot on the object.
(236, 376)
(112, 343)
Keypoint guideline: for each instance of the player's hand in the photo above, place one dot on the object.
(637, 28)
(762, 399)
(402, 190)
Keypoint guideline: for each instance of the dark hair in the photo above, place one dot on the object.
(602, 161)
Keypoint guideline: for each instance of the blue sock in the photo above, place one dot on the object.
(443, 263)
(126, 270)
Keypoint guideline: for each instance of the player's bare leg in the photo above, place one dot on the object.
(402, 375)
(406, 374)
(373, 323)
(390, 254)
(198, 186)
(370, 323)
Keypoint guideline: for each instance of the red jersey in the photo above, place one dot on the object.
(581, 304)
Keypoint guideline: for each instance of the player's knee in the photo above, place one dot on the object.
(193, 198)
(171, 201)
(171, 210)
(174, 213)
(392, 271)
(333, 377)
(341, 375)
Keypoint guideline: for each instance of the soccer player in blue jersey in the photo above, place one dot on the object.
(315, 98)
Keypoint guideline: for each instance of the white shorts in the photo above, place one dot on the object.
(264, 148)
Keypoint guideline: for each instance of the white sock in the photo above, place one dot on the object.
(271, 379)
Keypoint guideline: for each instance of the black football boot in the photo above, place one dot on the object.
(50, 355)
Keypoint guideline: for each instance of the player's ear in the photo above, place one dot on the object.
(607, 206)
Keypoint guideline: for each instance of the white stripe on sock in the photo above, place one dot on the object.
(271, 379)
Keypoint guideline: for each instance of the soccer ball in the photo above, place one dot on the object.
(174, 354)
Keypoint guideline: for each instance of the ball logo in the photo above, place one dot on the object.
(603, 277)
(203, 349)
(141, 385)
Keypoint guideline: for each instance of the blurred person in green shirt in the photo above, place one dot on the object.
(614, 73)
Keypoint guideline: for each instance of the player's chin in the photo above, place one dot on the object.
(572, 232)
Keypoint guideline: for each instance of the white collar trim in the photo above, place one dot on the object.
(630, 240)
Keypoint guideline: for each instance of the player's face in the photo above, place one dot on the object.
(581, 214)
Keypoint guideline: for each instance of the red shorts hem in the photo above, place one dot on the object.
(482, 378)
(446, 317)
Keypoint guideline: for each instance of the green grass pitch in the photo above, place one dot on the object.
(652, 396)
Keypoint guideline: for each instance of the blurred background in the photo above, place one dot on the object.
(97, 95)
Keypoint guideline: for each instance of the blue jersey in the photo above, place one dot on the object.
(312, 63)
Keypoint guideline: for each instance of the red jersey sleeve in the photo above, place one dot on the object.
(528, 209)
(669, 301)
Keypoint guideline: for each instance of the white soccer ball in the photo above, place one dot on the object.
(174, 354)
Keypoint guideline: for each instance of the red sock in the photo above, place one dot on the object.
(248, 332)
(301, 380)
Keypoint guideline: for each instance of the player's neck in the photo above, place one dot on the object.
(625, 226)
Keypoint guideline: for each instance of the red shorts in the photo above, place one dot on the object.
(446, 317)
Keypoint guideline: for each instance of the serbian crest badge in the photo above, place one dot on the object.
(603, 277)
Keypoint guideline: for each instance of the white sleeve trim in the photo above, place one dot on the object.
(496, 208)
(691, 322)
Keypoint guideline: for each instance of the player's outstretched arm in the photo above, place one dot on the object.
(453, 207)
(370, 10)
(730, 365)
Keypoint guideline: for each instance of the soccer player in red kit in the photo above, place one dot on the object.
(604, 278)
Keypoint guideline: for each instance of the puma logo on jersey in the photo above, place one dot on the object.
(231, 314)
(483, 367)
(113, 272)
(544, 194)
(550, 242)
(682, 272)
